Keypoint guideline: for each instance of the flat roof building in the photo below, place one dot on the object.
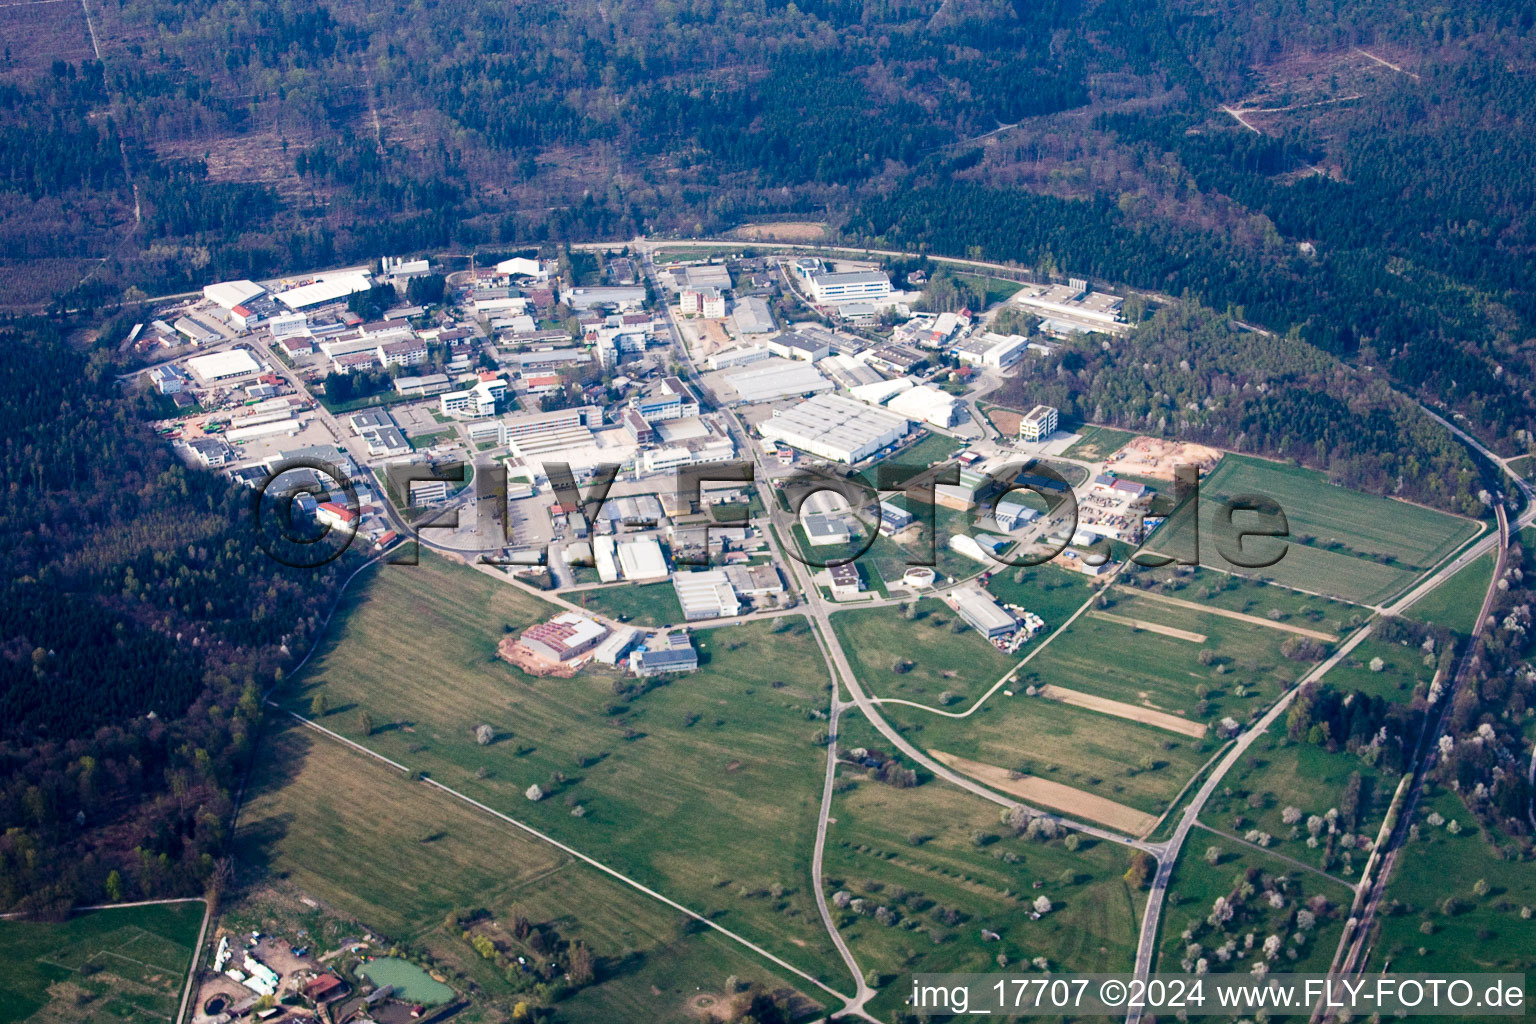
(849, 285)
(564, 637)
(1039, 423)
(223, 366)
(751, 315)
(775, 379)
(835, 428)
(985, 615)
(706, 595)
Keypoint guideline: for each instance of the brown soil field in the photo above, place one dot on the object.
(1057, 797)
(1119, 709)
(1225, 613)
(1155, 458)
(1153, 627)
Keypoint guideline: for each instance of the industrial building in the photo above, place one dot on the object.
(751, 315)
(772, 380)
(230, 294)
(743, 356)
(706, 595)
(326, 289)
(849, 286)
(564, 637)
(835, 428)
(928, 404)
(641, 559)
(993, 351)
(800, 345)
(824, 531)
(1012, 514)
(977, 607)
(1039, 423)
(220, 367)
(1074, 308)
(665, 652)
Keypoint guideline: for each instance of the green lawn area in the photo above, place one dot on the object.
(1420, 931)
(1245, 878)
(991, 289)
(1342, 543)
(420, 441)
(643, 604)
(1524, 466)
(1047, 590)
(937, 659)
(1095, 444)
(928, 451)
(705, 787)
(1113, 658)
(399, 858)
(916, 852)
(1073, 746)
(125, 964)
(1276, 773)
(1252, 597)
(1402, 670)
(1454, 604)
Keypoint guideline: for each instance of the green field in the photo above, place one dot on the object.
(1110, 658)
(1454, 604)
(936, 659)
(1276, 773)
(1090, 751)
(1402, 675)
(1252, 597)
(118, 965)
(1050, 592)
(399, 857)
(1473, 933)
(916, 852)
(1196, 884)
(705, 787)
(990, 289)
(1342, 543)
(646, 604)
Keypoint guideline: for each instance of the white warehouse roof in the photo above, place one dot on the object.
(641, 559)
(327, 289)
(235, 362)
(926, 403)
(230, 294)
(834, 427)
(776, 378)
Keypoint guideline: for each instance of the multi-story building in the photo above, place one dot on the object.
(1039, 423)
(849, 286)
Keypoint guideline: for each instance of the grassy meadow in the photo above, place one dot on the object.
(124, 965)
(400, 857)
(705, 787)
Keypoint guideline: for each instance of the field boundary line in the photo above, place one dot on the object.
(573, 852)
(1172, 632)
(1303, 865)
(1154, 717)
(1227, 613)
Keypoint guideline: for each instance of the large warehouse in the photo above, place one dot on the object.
(777, 378)
(834, 427)
(234, 364)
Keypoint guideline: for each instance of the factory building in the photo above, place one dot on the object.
(774, 379)
(976, 607)
(706, 595)
(849, 286)
(835, 428)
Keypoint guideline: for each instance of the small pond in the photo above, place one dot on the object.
(412, 984)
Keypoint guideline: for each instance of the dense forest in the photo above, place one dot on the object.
(138, 627)
(1190, 373)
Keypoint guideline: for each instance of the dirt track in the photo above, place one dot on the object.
(1120, 709)
(1239, 616)
(1153, 627)
(1056, 796)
